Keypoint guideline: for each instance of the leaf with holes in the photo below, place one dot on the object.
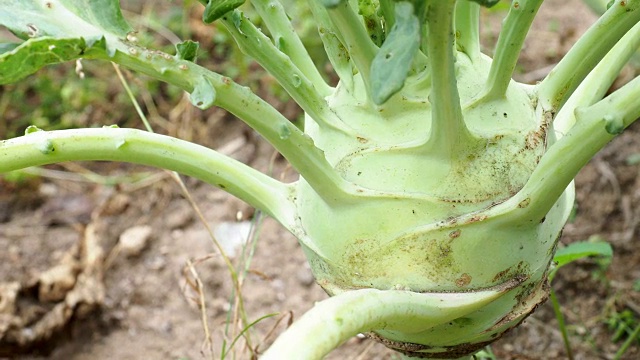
(391, 65)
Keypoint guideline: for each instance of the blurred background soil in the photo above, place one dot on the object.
(110, 261)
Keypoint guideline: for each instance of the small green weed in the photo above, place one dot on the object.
(625, 326)
(594, 247)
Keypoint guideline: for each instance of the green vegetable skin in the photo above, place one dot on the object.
(433, 188)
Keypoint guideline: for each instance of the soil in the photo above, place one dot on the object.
(82, 292)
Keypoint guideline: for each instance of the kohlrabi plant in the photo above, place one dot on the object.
(433, 188)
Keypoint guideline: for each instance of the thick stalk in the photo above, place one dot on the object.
(599, 6)
(322, 19)
(387, 9)
(347, 314)
(467, 25)
(448, 130)
(595, 126)
(292, 143)
(597, 83)
(254, 43)
(355, 37)
(288, 41)
(145, 148)
(514, 31)
(333, 44)
(300, 149)
(587, 52)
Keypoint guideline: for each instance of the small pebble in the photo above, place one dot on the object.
(133, 240)
(179, 219)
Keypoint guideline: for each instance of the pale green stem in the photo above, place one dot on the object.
(424, 44)
(299, 148)
(333, 44)
(599, 6)
(187, 194)
(355, 37)
(292, 143)
(595, 126)
(467, 26)
(161, 151)
(587, 52)
(254, 43)
(387, 9)
(448, 131)
(322, 19)
(597, 83)
(288, 41)
(333, 321)
(510, 42)
(338, 56)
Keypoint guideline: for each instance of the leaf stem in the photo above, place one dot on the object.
(145, 148)
(512, 36)
(388, 12)
(254, 43)
(290, 141)
(597, 83)
(355, 37)
(467, 25)
(288, 41)
(334, 320)
(595, 126)
(587, 52)
(333, 44)
(297, 147)
(448, 130)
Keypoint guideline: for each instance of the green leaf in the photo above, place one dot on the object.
(35, 54)
(486, 3)
(187, 50)
(57, 31)
(216, 9)
(580, 250)
(392, 63)
(30, 19)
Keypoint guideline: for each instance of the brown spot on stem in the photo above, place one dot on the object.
(476, 218)
(463, 280)
(524, 203)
